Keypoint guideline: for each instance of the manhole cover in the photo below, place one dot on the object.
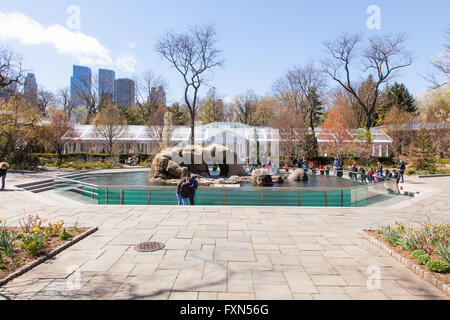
(149, 246)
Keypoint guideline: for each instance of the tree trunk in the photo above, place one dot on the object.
(192, 128)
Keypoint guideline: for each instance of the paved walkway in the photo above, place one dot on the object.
(223, 252)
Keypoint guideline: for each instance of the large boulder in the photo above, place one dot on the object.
(261, 177)
(277, 179)
(176, 162)
(298, 175)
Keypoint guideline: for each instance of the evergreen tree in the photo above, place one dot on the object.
(210, 108)
(179, 115)
(310, 146)
(396, 95)
(424, 153)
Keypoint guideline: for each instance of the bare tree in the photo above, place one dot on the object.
(60, 131)
(441, 65)
(150, 94)
(244, 108)
(193, 54)
(11, 71)
(91, 92)
(109, 124)
(155, 128)
(63, 97)
(312, 85)
(45, 99)
(382, 57)
(287, 91)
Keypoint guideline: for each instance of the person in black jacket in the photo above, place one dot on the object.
(402, 170)
(185, 190)
(3, 172)
(194, 187)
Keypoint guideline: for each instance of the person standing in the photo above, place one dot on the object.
(185, 191)
(3, 172)
(380, 167)
(194, 187)
(402, 170)
(397, 177)
(179, 198)
(335, 165)
(362, 173)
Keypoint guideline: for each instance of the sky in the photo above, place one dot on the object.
(260, 40)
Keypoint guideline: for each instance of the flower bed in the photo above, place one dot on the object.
(87, 165)
(31, 241)
(426, 244)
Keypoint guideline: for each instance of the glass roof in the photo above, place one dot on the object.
(213, 132)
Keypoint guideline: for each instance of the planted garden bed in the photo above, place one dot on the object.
(32, 241)
(426, 245)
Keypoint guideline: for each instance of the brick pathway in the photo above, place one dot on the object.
(224, 253)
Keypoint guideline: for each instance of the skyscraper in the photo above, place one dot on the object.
(30, 90)
(157, 94)
(106, 80)
(80, 84)
(124, 92)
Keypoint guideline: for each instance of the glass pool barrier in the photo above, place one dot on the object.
(226, 196)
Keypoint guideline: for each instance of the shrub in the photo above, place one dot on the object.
(417, 253)
(443, 250)
(31, 222)
(438, 266)
(423, 259)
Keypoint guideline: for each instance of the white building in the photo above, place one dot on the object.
(237, 136)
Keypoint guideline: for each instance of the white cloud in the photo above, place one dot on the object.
(126, 62)
(86, 49)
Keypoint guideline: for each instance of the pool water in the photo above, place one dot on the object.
(140, 179)
(132, 188)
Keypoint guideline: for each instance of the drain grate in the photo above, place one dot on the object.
(149, 246)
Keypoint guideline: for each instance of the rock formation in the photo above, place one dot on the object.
(261, 177)
(174, 163)
(298, 175)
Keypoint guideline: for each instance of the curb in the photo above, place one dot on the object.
(434, 176)
(37, 262)
(409, 264)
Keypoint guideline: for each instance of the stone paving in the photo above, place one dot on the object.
(233, 253)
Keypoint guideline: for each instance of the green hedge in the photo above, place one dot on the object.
(84, 157)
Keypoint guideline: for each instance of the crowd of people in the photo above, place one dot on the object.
(358, 174)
